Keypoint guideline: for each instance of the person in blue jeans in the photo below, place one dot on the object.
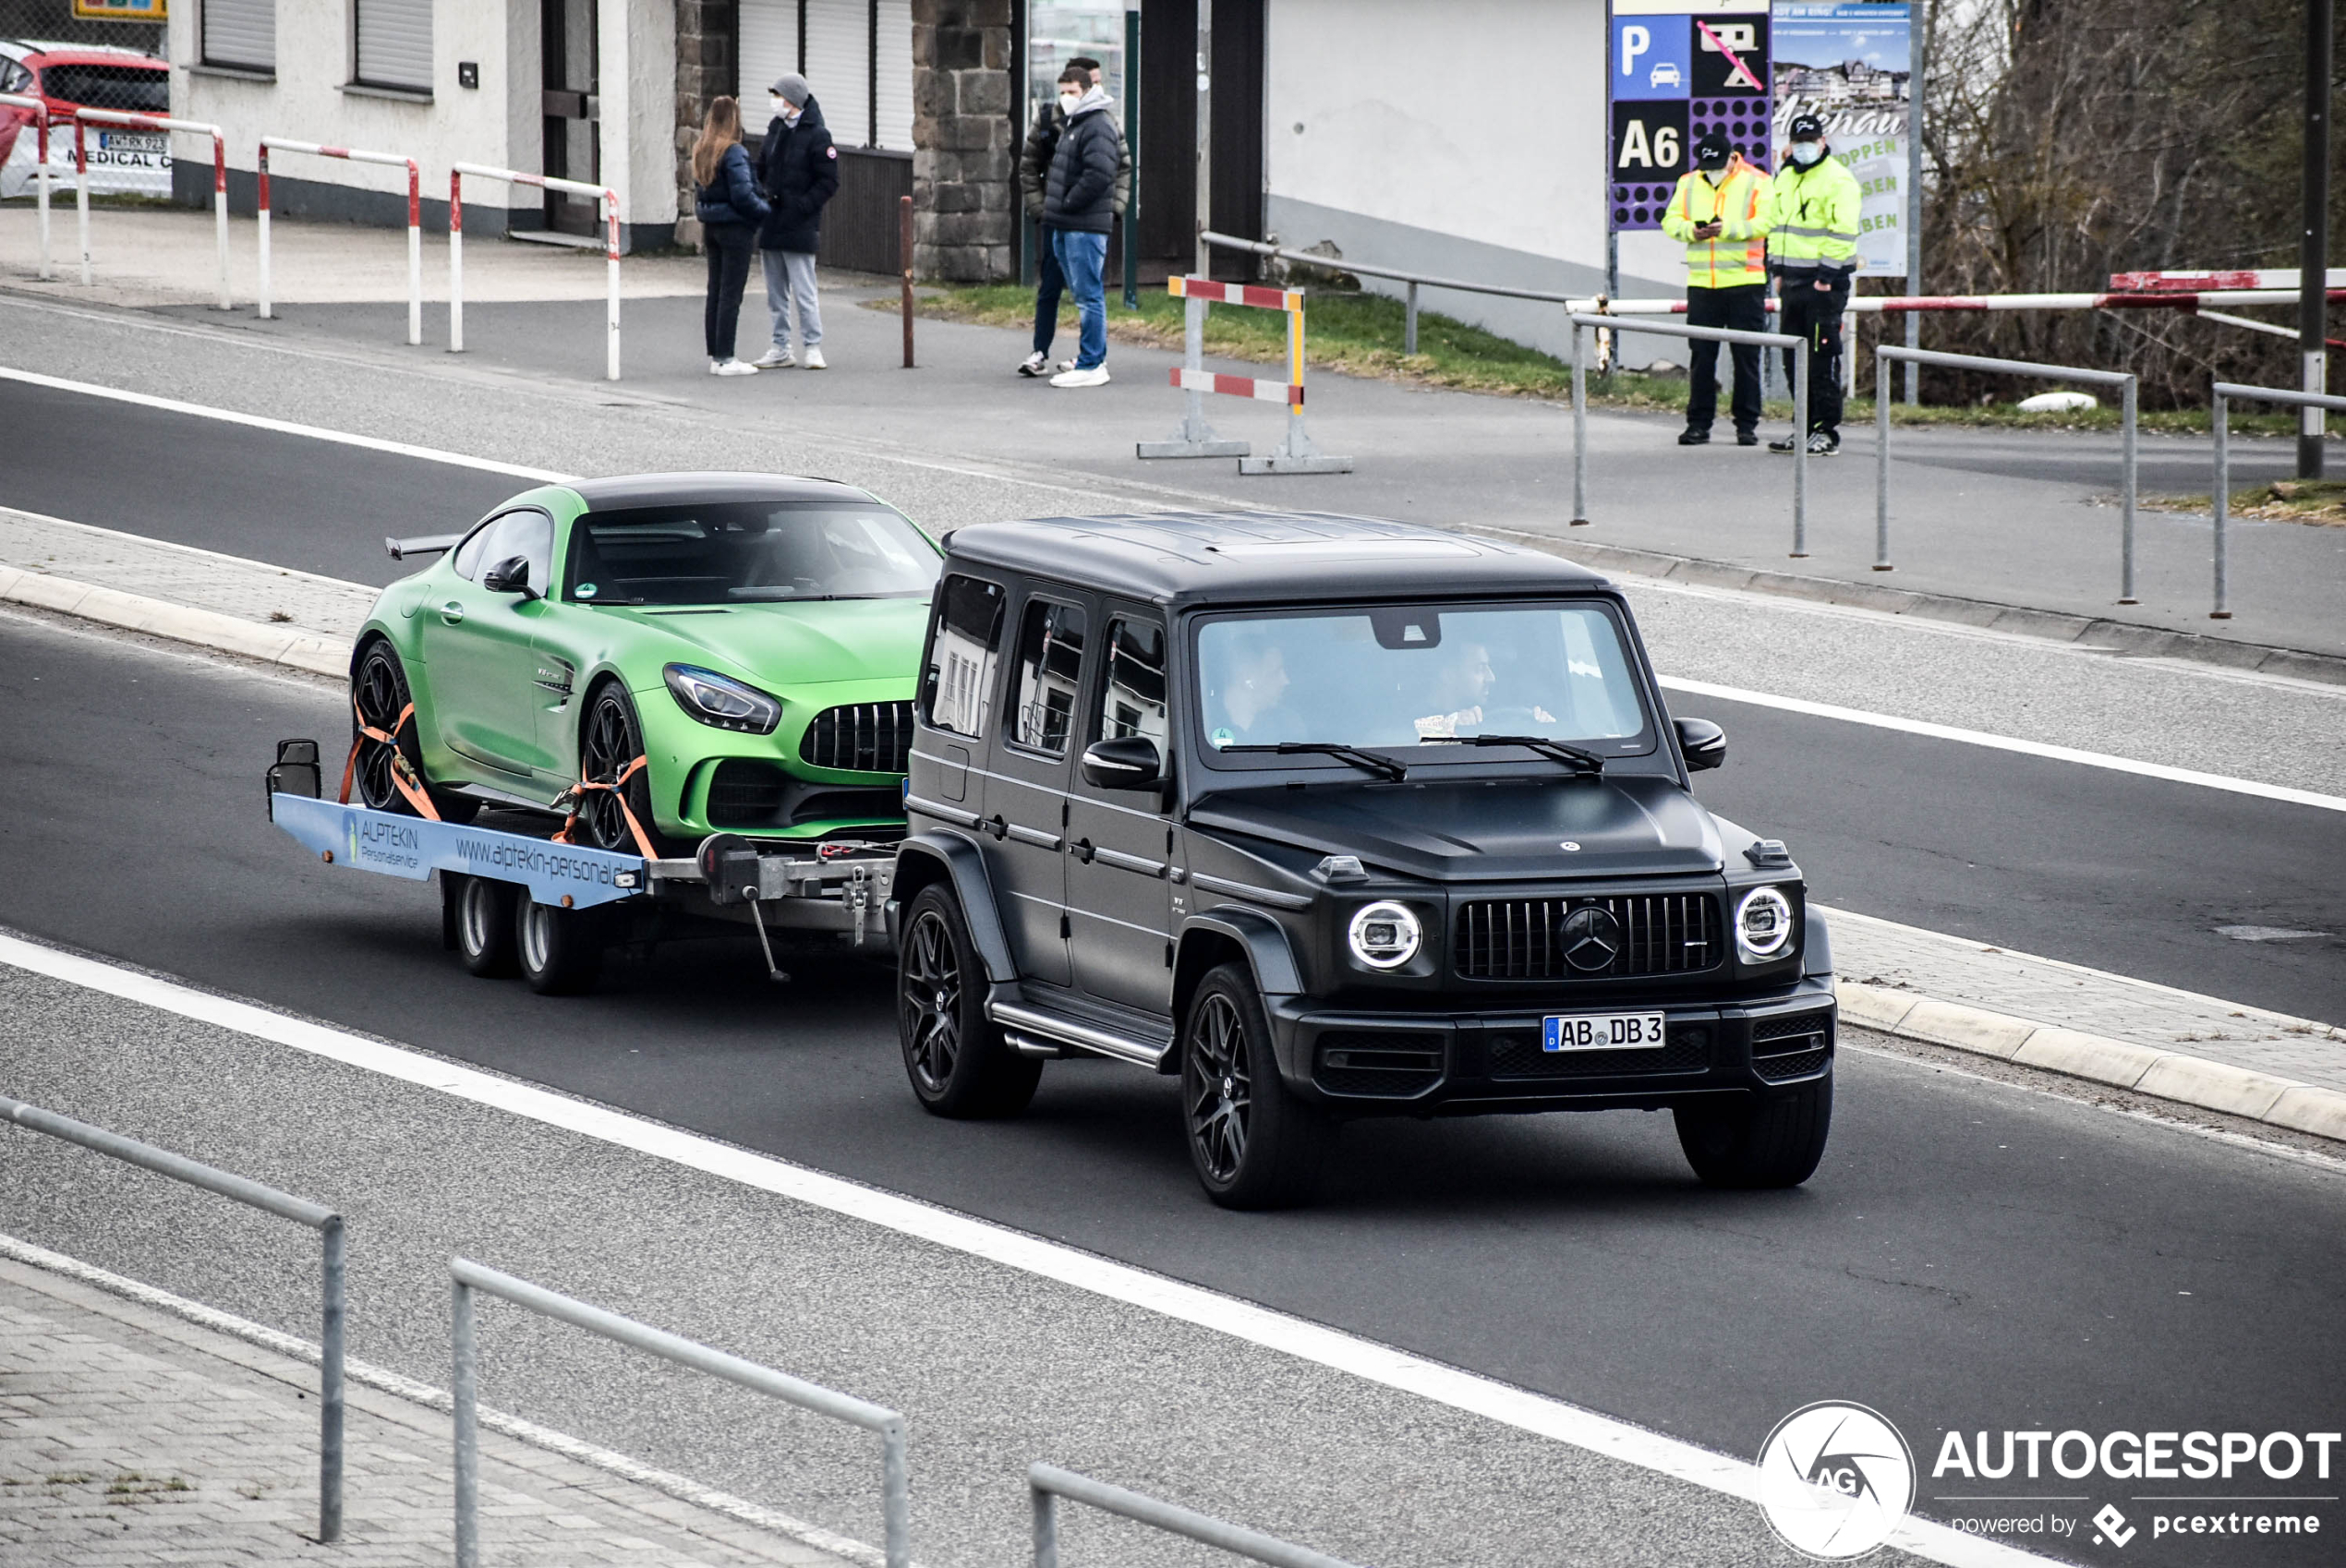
(730, 209)
(1034, 175)
(1079, 210)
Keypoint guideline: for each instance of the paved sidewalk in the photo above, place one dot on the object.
(130, 1436)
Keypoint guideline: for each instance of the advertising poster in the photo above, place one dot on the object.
(1849, 64)
(1677, 71)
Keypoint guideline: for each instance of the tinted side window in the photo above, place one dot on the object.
(962, 652)
(466, 560)
(1050, 665)
(1133, 697)
(529, 535)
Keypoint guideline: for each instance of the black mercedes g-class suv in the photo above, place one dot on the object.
(1336, 818)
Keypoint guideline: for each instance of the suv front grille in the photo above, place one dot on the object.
(1516, 1053)
(861, 738)
(1526, 938)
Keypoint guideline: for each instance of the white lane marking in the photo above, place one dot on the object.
(1245, 1321)
(285, 426)
(2006, 743)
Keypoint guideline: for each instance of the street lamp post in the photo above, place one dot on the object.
(1205, 259)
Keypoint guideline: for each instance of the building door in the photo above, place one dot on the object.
(570, 59)
(1168, 131)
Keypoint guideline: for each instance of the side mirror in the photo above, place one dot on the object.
(1703, 743)
(1128, 762)
(510, 575)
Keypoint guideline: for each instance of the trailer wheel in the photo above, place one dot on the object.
(560, 950)
(480, 924)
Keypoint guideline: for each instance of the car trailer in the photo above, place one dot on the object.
(516, 902)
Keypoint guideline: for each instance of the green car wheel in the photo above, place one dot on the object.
(379, 699)
(610, 743)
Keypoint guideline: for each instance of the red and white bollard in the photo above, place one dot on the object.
(41, 120)
(415, 220)
(606, 198)
(166, 124)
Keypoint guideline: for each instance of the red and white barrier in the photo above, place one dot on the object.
(1895, 304)
(414, 219)
(40, 119)
(608, 196)
(2288, 278)
(1196, 439)
(153, 122)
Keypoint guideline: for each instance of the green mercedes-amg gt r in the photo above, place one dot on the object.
(752, 638)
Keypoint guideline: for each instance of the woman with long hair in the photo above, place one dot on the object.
(730, 209)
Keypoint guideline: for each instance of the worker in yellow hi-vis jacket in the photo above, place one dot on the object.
(1721, 212)
(1813, 249)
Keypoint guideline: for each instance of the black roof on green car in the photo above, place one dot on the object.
(625, 491)
(1176, 557)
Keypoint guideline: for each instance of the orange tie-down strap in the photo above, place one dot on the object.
(617, 786)
(403, 776)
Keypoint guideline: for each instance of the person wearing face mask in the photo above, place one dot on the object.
(1721, 212)
(1079, 205)
(799, 168)
(1034, 175)
(1812, 249)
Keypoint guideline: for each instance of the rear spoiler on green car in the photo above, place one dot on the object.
(422, 544)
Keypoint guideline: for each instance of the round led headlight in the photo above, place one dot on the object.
(1763, 925)
(1386, 934)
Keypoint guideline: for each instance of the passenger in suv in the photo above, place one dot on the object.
(1336, 818)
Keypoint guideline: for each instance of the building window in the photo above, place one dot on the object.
(393, 44)
(239, 34)
(856, 54)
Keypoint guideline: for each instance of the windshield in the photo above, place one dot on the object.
(748, 552)
(141, 88)
(1420, 676)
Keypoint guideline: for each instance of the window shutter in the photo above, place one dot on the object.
(395, 43)
(768, 50)
(896, 75)
(838, 64)
(240, 33)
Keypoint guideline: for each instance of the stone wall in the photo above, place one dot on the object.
(965, 155)
(706, 35)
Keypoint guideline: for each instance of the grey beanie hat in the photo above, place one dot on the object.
(790, 85)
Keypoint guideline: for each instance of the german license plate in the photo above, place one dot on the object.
(1602, 1032)
(134, 141)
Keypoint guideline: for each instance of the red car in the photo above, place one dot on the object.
(72, 75)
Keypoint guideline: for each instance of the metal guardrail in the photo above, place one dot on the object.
(40, 108)
(1884, 353)
(415, 217)
(1048, 1483)
(468, 1276)
(1393, 274)
(1800, 345)
(167, 126)
(2222, 394)
(281, 1204)
(606, 197)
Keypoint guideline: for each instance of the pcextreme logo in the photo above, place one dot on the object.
(1835, 1479)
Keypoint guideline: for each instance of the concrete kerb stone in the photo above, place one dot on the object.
(183, 623)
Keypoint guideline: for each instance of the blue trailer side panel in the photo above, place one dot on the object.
(413, 848)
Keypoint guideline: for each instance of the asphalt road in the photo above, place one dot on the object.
(1971, 1257)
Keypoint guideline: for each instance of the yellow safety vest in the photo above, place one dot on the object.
(1741, 204)
(1816, 218)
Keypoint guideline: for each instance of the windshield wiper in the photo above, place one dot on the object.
(1369, 761)
(1555, 751)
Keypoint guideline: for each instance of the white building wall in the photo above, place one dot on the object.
(1465, 139)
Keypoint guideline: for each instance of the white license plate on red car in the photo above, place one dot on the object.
(135, 141)
(1602, 1032)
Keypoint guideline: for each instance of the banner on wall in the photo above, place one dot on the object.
(1678, 70)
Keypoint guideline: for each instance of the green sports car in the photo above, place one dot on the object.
(752, 638)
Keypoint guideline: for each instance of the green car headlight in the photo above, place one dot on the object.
(722, 701)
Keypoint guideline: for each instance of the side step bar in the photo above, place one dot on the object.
(1024, 1025)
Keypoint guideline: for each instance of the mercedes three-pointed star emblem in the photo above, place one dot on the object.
(1591, 938)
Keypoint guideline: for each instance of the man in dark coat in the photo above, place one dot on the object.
(799, 167)
(1034, 173)
(1078, 207)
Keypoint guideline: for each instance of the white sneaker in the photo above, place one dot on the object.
(1034, 363)
(732, 367)
(1095, 377)
(775, 359)
(815, 360)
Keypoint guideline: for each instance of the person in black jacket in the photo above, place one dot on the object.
(1079, 206)
(730, 209)
(799, 167)
(1034, 173)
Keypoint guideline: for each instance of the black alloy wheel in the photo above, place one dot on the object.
(609, 741)
(379, 696)
(481, 923)
(957, 1061)
(1749, 1144)
(1253, 1142)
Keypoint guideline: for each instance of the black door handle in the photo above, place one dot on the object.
(996, 825)
(1085, 851)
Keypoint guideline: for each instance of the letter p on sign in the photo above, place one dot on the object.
(1635, 41)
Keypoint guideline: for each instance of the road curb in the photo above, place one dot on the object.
(160, 617)
(2146, 1069)
(2127, 637)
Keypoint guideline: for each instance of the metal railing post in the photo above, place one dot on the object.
(415, 254)
(2220, 415)
(262, 216)
(1046, 1528)
(1579, 427)
(220, 211)
(330, 1388)
(81, 194)
(1196, 437)
(40, 109)
(2126, 532)
(1043, 1480)
(1799, 449)
(1409, 330)
(896, 1498)
(467, 1403)
(611, 313)
(1881, 461)
(456, 261)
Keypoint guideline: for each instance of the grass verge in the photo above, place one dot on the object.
(1360, 334)
(2283, 500)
